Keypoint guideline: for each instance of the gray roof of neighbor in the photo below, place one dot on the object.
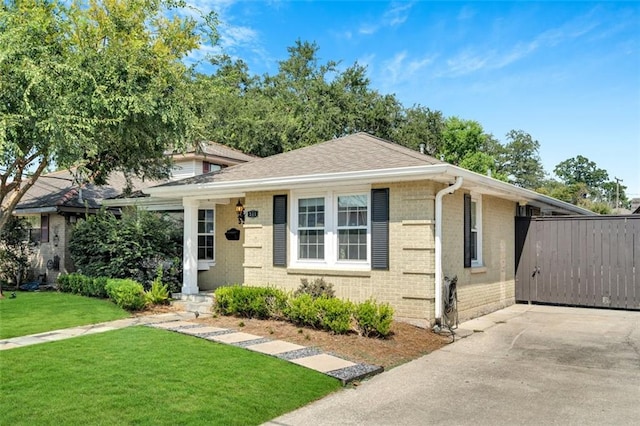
(357, 152)
(57, 189)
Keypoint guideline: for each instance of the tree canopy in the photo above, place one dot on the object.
(97, 84)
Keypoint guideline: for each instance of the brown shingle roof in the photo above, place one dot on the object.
(357, 152)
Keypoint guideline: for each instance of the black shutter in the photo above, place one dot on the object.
(279, 230)
(380, 228)
(467, 231)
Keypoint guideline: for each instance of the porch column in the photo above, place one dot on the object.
(190, 250)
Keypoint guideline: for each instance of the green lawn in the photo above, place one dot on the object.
(140, 375)
(37, 312)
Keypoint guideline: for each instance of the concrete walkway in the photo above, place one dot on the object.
(532, 365)
(309, 357)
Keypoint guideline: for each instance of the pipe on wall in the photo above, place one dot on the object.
(438, 240)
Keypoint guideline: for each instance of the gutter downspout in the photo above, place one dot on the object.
(438, 278)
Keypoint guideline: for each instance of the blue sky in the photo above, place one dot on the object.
(568, 73)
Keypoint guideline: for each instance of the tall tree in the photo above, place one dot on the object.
(420, 125)
(460, 139)
(96, 84)
(581, 170)
(520, 160)
(307, 101)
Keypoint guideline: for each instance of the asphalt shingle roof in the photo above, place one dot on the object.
(357, 152)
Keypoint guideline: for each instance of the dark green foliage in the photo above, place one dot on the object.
(316, 288)
(374, 319)
(134, 246)
(302, 310)
(327, 313)
(14, 251)
(81, 284)
(336, 315)
(250, 302)
(126, 293)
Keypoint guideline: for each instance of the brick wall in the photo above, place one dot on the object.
(491, 287)
(408, 285)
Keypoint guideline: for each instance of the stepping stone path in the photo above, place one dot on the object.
(313, 358)
(309, 357)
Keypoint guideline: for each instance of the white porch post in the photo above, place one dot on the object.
(190, 250)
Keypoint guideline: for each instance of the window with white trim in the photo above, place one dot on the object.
(476, 230)
(311, 228)
(331, 229)
(206, 234)
(352, 227)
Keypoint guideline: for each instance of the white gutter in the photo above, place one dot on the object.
(438, 284)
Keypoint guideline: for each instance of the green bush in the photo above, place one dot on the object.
(335, 315)
(316, 288)
(132, 246)
(328, 313)
(250, 302)
(374, 319)
(302, 310)
(158, 294)
(81, 284)
(126, 293)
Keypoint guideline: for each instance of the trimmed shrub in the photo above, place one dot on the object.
(374, 319)
(335, 315)
(81, 284)
(302, 310)
(250, 302)
(126, 293)
(316, 288)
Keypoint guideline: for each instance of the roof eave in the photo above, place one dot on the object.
(294, 182)
(441, 172)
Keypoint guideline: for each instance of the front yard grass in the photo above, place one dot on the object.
(37, 312)
(140, 375)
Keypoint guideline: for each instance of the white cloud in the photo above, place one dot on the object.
(400, 69)
(396, 15)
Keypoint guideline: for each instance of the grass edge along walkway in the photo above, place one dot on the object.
(39, 312)
(143, 375)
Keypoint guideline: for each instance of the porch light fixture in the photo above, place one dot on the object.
(240, 212)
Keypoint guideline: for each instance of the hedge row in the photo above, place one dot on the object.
(329, 313)
(126, 293)
(81, 284)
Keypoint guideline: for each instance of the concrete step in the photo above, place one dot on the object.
(202, 302)
(188, 306)
(200, 297)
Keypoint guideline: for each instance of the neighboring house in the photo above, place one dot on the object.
(373, 218)
(56, 202)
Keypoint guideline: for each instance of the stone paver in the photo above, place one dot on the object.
(323, 363)
(234, 337)
(196, 331)
(173, 324)
(274, 347)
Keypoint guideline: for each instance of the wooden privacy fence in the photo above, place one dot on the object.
(591, 261)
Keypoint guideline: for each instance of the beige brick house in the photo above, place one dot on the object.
(373, 218)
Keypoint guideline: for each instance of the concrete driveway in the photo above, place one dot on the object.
(523, 365)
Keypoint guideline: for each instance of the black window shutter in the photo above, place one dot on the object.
(279, 230)
(467, 231)
(380, 228)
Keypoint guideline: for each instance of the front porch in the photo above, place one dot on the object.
(212, 255)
